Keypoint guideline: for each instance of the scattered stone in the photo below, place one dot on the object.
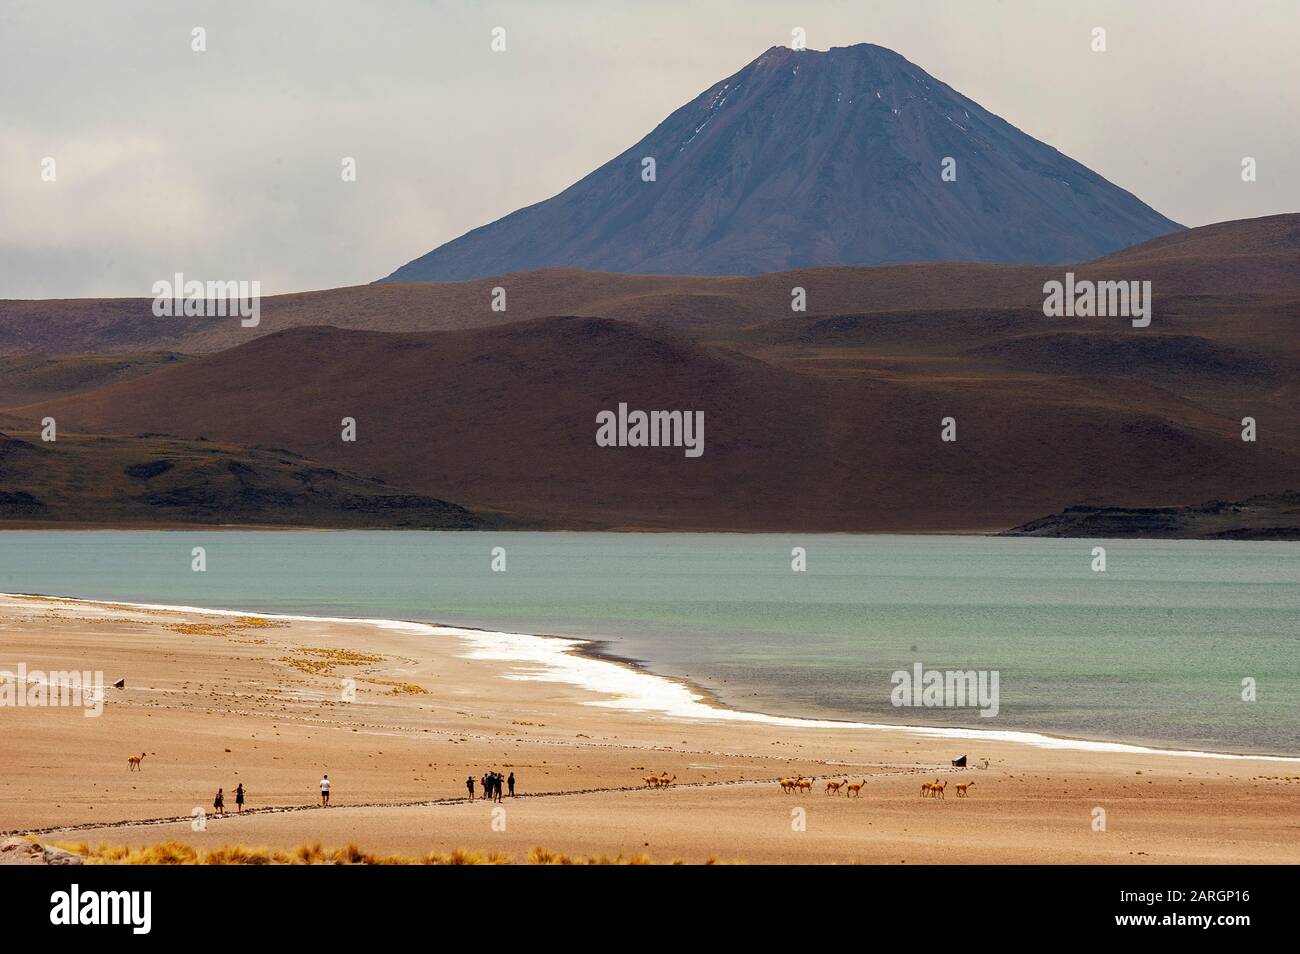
(57, 856)
(16, 844)
(20, 851)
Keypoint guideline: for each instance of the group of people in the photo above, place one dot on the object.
(491, 783)
(219, 800)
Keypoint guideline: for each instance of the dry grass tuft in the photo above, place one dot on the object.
(238, 625)
(544, 856)
(399, 688)
(316, 661)
(178, 853)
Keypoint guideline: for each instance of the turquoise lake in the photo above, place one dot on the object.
(1153, 650)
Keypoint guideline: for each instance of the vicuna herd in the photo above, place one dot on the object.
(801, 784)
(936, 788)
(933, 789)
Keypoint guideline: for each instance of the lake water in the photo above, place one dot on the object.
(1153, 650)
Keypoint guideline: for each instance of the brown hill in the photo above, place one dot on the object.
(151, 480)
(838, 436)
(1271, 237)
(30, 377)
(824, 420)
(1218, 266)
(506, 412)
(1266, 517)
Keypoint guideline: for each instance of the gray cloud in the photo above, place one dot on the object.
(226, 163)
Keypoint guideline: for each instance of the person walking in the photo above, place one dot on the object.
(219, 803)
(239, 798)
(469, 786)
(511, 782)
(325, 792)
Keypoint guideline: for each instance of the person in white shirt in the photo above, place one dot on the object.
(325, 792)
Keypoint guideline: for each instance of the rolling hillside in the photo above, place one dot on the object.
(828, 420)
(1252, 262)
(821, 439)
(152, 480)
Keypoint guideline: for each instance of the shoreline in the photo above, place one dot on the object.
(636, 688)
(21, 526)
(400, 714)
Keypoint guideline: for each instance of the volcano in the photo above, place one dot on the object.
(852, 156)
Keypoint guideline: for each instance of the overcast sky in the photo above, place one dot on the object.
(226, 164)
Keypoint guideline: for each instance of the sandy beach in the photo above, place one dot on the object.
(399, 715)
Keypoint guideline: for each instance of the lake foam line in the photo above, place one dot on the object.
(561, 659)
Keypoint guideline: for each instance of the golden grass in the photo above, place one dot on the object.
(316, 661)
(399, 688)
(238, 625)
(178, 853)
(194, 629)
(258, 622)
(543, 856)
